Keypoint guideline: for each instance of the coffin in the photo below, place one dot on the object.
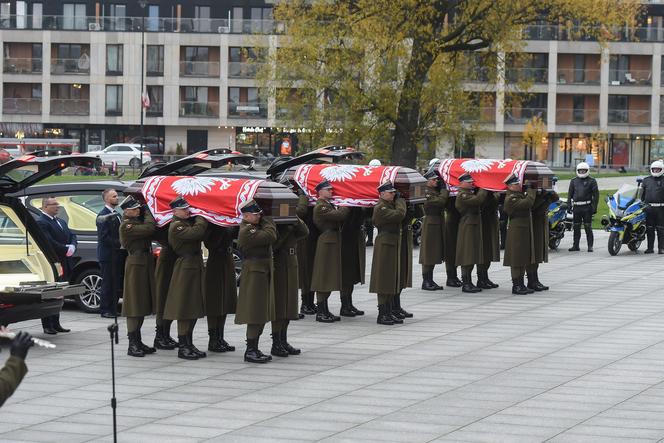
(489, 174)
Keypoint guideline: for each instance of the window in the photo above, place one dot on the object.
(196, 61)
(155, 60)
(21, 15)
(70, 59)
(114, 55)
(618, 109)
(37, 12)
(153, 18)
(202, 19)
(156, 94)
(236, 26)
(579, 68)
(113, 99)
(196, 94)
(618, 67)
(73, 16)
(79, 211)
(118, 14)
(5, 15)
(124, 148)
(578, 108)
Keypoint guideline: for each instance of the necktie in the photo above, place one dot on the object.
(58, 222)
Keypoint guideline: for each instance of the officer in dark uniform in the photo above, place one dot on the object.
(256, 303)
(353, 259)
(185, 301)
(652, 193)
(584, 194)
(327, 270)
(540, 237)
(432, 248)
(490, 240)
(470, 245)
(136, 233)
(452, 218)
(162, 277)
(306, 251)
(519, 248)
(14, 369)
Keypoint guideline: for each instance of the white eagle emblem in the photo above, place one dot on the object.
(339, 173)
(225, 183)
(193, 185)
(477, 165)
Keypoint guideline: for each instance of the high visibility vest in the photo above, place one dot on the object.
(285, 148)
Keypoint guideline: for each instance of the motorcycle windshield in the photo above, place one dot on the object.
(625, 195)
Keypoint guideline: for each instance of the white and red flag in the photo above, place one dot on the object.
(488, 174)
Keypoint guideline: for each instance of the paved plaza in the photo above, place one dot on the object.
(582, 362)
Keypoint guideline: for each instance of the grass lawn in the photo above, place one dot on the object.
(85, 178)
(602, 208)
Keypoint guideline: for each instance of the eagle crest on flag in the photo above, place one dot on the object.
(477, 165)
(339, 173)
(193, 185)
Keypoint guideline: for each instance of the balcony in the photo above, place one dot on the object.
(30, 106)
(578, 76)
(528, 74)
(625, 77)
(66, 106)
(247, 110)
(198, 109)
(63, 66)
(523, 115)
(483, 114)
(629, 117)
(563, 33)
(286, 112)
(243, 69)
(577, 117)
(22, 65)
(156, 109)
(199, 69)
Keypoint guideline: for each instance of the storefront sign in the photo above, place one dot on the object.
(253, 129)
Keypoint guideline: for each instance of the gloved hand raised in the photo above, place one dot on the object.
(20, 345)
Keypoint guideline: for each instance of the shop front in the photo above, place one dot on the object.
(517, 148)
(268, 143)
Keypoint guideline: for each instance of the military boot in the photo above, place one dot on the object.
(146, 349)
(397, 316)
(356, 311)
(224, 344)
(322, 314)
(200, 353)
(346, 307)
(468, 285)
(185, 350)
(277, 348)
(534, 283)
(427, 282)
(487, 281)
(134, 349)
(161, 340)
(253, 354)
(327, 310)
(383, 317)
(284, 342)
(452, 280)
(396, 307)
(482, 280)
(518, 288)
(308, 307)
(213, 343)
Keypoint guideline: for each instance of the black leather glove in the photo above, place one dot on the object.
(20, 345)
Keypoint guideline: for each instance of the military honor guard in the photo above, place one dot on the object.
(327, 269)
(353, 258)
(451, 232)
(519, 246)
(138, 300)
(470, 245)
(490, 240)
(540, 237)
(652, 194)
(256, 301)
(185, 301)
(432, 247)
(306, 251)
(220, 285)
(582, 199)
(162, 275)
(12, 373)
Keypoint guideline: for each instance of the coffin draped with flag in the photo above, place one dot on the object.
(489, 174)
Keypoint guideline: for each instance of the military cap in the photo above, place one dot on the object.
(466, 178)
(250, 207)
(323, 185)
(512, 180)
(130, 203)
(179, 203)
(387, 187)
(431, 174)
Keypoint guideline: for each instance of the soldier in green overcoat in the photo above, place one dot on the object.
(491, 240)
(185, 301)
(405, 262)
(14, 370)
(451, 232)
(139, 297)
(432, 247)
(220, 285)
(286, 263)
(388, 216)
(540, 237)
(256, 303)
(470, 245)
(306, 251)
(162, 277)
(519, 247)
(353, 259)
(327, 261)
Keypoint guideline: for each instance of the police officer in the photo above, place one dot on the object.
(162, 277)
(185, 301)
(469, 247)
(432, 249)
(138, 299)
(540, 237)
(286, 285)
(220, 285)
(306, 251)
(490, 240)
(519, 248)
(353, 259)
(584, 194)
(256, 302)
(327, 261)
(388, 216)
(14, 370)
(652, 193)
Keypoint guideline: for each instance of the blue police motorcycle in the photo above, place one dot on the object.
(559, 221)
(626, 221)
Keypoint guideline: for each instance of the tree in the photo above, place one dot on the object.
(385, 71)
(535, 133)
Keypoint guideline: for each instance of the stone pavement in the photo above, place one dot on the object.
(582, 362)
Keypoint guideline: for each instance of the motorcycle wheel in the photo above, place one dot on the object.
(554, 243)
(634, 245)
(614, 243)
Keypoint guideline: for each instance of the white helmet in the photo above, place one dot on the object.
(374, 162)
(583, 166)
(659, 165)
(432, 161)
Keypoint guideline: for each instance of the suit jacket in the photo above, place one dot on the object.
(59, 236)
(108, 234)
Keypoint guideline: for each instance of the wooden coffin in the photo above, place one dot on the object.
(490, 174)
(538, 175)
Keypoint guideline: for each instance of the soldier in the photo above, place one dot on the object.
(327, 261)
(388, 216)
(585, 195)
(14, 370)
(452, 218)
(185, 301)
(405, 263)
(162, 277)
(432, 248)
(306, 251)
(519, 248)
(652, 194)
(286, 285)
(490, 240)
(256, 304)
(220, 285)
(353, 259)
(540, 237)
(470, 246)
(138, 300)
(368, 226)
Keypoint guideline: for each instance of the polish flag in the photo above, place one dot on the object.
(145, 100)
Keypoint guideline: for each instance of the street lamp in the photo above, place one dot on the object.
(142, 4)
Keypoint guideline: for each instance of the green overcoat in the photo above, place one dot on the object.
(519, 246)
(432, 246)
(327, 261)
(220, 286)
(163, 270)
(353, 249)
(286, 263)
(541, 225)
(10, 377)
(452, 218)
(387, 255)
(306, 248)
(406, 260)
(470, 246)
(139, 296)
(255, 305)
(490, 229)
(185, 299)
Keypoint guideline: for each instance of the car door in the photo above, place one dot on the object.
(109, 155)
(125, 154)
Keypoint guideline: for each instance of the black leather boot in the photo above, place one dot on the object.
(346, 310)
(134, 349)
(468, 285)
(356, 311)
(167, 333)
(277, 349)
(224, 344)
(482, 282)
(322, 315)
(200, 353)
(284, 342)
(146, 349)
(213, 343)
(160, 340)
(453, 281)
(47, 326)
(518, 288)
(56, 324)
(396, 307)
(534, 283)
(397, 316)
(487, 282)
(327, 311)
(308, 307)
(185, 350)
(253, 354)
(383, 317)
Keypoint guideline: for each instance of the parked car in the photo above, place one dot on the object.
(152, 144)
(124, 154)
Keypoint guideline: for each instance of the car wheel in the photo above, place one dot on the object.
(89, 301)
(135, 163)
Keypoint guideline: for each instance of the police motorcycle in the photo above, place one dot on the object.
(626, 221)
(560, 220)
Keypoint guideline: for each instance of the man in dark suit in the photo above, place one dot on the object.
(109, 254)
(64, 243)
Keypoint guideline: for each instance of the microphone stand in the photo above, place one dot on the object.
(113, 330)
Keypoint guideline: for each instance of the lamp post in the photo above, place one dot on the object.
(142, 4)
